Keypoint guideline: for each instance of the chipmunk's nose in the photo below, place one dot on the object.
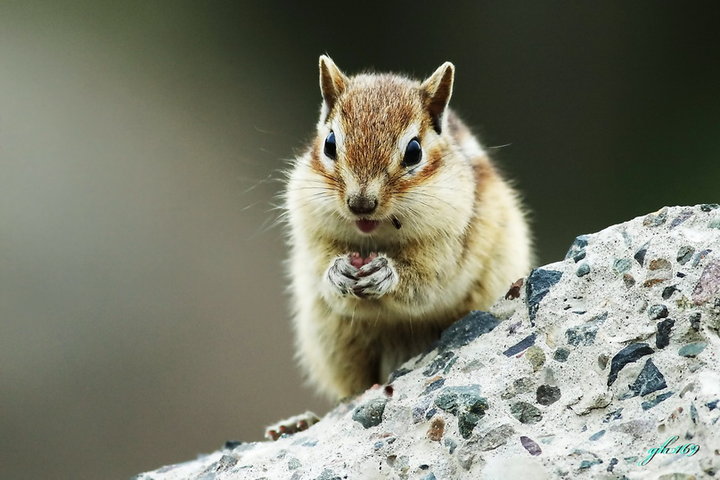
(362, 204)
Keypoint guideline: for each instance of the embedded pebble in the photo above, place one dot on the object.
(581, 335)
(657, 311)
(692, 349)
(649, 380)
(328, 474)
(684, 215)
(622, 265)
(583, 270)
(659, 264)
(640, 254)
(685, 254)
(436, 430)
(467, 329)
(561, 354)
(668, 292)
(662, 337)
(648, 404)
(538, 285)
(370, 414)
(700, 256)
(525, 412)
(656, 219)
(530, 445)
(708, 287)
(494, 438)
(629, 354)
(695, 321)
(465, 403)
(547, 394)
(439, 363)
(577, 249)
(536, 357)
(434, 386)
(585, 464)
(523, 344)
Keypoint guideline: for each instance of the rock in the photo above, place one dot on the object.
(577, 249)
(582, 270)
(465, 403)
(523, 344)
(467, 329)
(649, 380)
(656, 219)
(580, 378)
(684, 254)
(547, 394)
(662, 338)
(708, 286)
(640, 254)
(437, 428)
(494, 438)
(370, 414)
(538, 285)
(692, 349)
(648, 404)
(622, 265)
(657, 311)
(525, 412)
(561, 354)
(530, 445)
(536, 357)
(629, 354)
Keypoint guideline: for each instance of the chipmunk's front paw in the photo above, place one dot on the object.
(342, 274)
(375, 278)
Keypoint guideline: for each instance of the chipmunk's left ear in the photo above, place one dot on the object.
(437, 90)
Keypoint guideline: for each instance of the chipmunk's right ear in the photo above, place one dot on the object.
(437, 90)
(332, 84)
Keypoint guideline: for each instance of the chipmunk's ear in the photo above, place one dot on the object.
(436, 91)
(332, 84)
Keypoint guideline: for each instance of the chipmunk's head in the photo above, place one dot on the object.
(382, 161)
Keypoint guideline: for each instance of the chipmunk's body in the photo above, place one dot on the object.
(399, 223)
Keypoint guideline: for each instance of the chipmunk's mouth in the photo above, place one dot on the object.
(367, 226)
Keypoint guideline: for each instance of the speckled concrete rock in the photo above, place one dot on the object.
(577, 373)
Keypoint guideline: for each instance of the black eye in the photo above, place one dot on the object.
(330, 147)
(413, 153)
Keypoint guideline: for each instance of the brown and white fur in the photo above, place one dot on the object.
(447, 235)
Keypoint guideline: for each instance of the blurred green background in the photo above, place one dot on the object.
(143, 316)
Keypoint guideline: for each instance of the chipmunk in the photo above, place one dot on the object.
(399, 225)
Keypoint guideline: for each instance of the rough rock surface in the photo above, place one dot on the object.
(577, 373)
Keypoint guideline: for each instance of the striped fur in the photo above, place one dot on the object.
(463, 236)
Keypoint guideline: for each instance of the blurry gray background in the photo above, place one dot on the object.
(143, 317)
